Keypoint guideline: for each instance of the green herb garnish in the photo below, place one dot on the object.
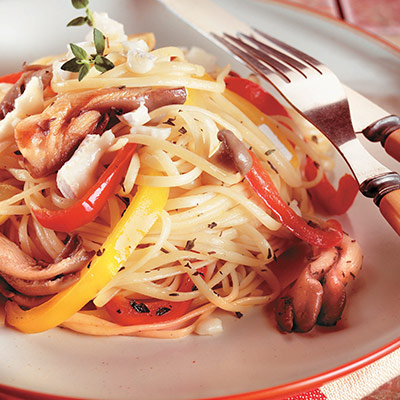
(82, 62)
(88, 19)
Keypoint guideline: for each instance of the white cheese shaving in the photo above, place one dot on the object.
(78, 174)
(138, 58)
(136, 120)
(60, 75)
(209, 326)
(136, 117)
(111, 29)
(196, 55)
(29, 103)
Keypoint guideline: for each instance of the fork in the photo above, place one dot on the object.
(294, 73)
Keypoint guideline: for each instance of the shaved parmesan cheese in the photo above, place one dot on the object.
(78, 174)
(209, 326)
(140, 62)
(136, 45)
(136, 117)
(29, 103)
(110, 28)
(136, 120)
(60, 75)
(196, 55)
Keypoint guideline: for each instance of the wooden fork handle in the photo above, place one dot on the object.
(390, 209)
(386, 131)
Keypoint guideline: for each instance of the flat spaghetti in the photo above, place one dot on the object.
(152, 267)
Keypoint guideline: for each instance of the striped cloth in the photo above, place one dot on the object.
(359, 384)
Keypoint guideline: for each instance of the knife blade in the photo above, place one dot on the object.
(374, 122)
(368, 118)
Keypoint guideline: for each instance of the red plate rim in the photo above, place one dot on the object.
(293, 388)
(277, 392)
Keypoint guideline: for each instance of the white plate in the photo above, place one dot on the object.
(251, 355)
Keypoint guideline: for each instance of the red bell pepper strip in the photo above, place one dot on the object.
(262, 184)
(256, 95)
(10, 78)
(325, 198)
(125, 311)
(89, 206)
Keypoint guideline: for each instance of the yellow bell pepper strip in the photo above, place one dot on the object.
(127, 234)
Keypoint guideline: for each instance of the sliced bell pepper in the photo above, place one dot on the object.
(325, 198)
(125, 311)
(262, 184)
(256, 95)
(127, 234)
(89, 206)
(10, 78)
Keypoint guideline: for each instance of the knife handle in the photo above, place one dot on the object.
(392, 144)
(386, 131)
(390, 209)
(385, 190)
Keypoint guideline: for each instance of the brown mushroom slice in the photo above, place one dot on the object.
(41, 287)
(336, 280)
(24, 301)
(232, 153)
(298, 308)
(49, 139)
(15, 263)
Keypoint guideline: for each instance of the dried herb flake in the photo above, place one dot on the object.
(139, 307)
(162, 311)
(189, 244)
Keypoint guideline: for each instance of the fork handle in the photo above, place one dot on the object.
(386, 131)
(390, 209)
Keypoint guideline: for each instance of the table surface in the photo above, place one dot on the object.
(381, 17)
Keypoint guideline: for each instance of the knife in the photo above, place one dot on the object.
(374, 122)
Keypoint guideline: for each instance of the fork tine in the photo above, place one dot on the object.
(282, 69)
(298, 66)
(297, 53)
(252, 61)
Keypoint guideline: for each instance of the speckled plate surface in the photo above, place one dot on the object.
(251, 358)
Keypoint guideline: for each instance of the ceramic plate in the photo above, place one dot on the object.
(251, 358)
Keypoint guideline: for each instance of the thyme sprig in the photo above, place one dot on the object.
(88, 19)
(82, 62)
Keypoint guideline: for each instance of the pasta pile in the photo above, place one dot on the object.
(213, 228)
